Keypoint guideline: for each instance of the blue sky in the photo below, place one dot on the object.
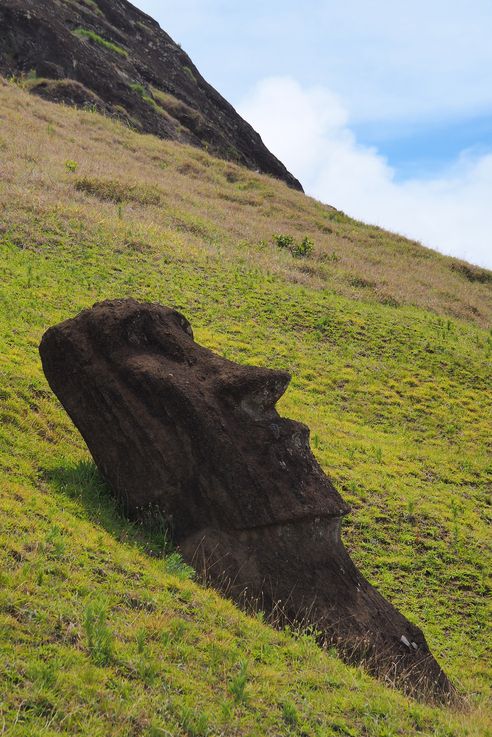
(382, 108)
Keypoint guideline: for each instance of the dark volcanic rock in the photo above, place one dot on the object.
(175, 428)
(129, 68)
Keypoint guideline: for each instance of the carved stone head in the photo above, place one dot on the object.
(174, 426)
(208, 446)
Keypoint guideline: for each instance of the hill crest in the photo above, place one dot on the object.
(112, 57)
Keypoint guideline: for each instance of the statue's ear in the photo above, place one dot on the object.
(253, 389)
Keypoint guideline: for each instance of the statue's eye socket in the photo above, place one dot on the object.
(151, 336)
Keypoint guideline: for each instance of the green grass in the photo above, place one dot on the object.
(145, 95)
(93, 36)
(189, 73)
(92, 5)
(139, 88)
(103, 630)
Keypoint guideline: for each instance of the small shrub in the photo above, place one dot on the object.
(339, 217)
(284, 241)
(232, 176)
(299, 249)
(99, 636)
(24, 80)
(71, 166)
(303, 248)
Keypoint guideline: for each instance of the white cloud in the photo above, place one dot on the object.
(308, 129)
(399, 62)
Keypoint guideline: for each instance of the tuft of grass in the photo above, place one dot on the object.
(237, 686)
(92, 5)
(189, 73)
(289, 713)
(194, 723)
(93, 36)
(147, 97)
(118, 192)
(139, 89)
(98, 634)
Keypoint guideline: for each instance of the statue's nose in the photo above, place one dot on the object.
(255, 390)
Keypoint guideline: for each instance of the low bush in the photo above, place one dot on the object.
(299, 249)
(71, 166)
(303, 248)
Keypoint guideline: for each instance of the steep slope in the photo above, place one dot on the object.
(111, 56)
(101, 632)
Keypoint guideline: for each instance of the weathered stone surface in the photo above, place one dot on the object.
(129, 81)
(173, 426)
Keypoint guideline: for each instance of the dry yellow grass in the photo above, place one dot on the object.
(214, 205)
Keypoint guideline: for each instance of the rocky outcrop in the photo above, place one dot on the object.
(176, 428)
(110, 56)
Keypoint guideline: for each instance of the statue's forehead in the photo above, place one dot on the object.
(122, 331)
(141, 315)
(138, 324)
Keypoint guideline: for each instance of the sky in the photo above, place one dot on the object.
(382, 108)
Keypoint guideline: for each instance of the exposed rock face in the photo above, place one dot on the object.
(142, 76)
(173, 426)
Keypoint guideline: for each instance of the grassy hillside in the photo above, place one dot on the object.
(102, 631)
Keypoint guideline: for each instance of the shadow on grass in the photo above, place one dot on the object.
(83, 483)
